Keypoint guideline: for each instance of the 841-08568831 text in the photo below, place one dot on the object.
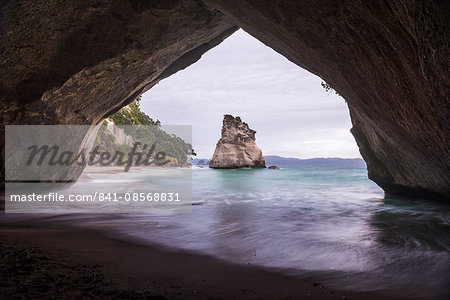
(155, 197)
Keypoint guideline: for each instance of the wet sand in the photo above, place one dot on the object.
(63, 262)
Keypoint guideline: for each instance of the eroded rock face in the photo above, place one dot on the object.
(390, 60)
(237, 147)
(77, 62)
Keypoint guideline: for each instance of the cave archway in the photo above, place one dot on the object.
(294, 116)
(390, 60)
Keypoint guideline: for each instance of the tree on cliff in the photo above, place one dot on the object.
(132, 115)
(328, 87)
(172, 145)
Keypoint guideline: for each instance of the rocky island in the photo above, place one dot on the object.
(237, 147)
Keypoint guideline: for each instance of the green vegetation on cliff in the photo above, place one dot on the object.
(328, 88)
(144, 130)
(132, 115)
(237, 118)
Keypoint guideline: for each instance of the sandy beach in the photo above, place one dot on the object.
(63, 262)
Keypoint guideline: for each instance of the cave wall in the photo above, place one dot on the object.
(75, 62)
(389, 60)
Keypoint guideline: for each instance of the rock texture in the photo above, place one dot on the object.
(77, 62)
(390, 60)
(237, 147)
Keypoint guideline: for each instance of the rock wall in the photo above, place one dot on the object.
(390, 61)
(121, 137)
(237, 147)
(76, 62)
(79, 61)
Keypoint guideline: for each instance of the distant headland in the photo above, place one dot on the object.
(298, 162)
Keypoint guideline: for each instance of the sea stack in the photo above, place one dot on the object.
(237, 147)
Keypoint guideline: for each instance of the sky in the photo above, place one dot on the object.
(286, 105)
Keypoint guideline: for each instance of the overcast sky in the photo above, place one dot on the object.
(291, 112)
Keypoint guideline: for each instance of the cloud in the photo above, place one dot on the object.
(292, 114)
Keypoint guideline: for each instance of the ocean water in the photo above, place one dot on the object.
(327, 222)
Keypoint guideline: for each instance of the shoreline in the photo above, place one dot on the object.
(120, 169)
(131, 269)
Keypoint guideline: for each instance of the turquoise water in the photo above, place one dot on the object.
(315, 219)
(328, 222)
